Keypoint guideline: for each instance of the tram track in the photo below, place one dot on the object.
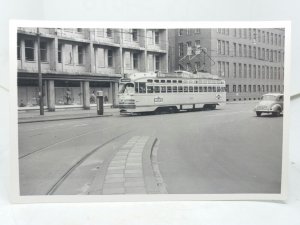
(57, 184)
(69, 139)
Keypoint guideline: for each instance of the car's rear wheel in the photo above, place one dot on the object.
(258, 113)
(275, 113)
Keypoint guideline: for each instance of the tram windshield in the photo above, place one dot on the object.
(127, 88)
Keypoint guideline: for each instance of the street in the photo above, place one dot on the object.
(228, 150)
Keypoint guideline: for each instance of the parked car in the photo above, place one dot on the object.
(271, 103)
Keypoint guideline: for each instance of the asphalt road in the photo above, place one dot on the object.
(227, 150)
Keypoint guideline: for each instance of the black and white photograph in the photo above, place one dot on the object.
(151, 111)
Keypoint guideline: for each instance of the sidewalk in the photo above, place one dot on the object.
(30, 116)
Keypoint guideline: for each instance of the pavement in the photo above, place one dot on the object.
(33, 115)
(30, 115)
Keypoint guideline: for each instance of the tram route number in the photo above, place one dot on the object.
(218, 97)
(158, 99)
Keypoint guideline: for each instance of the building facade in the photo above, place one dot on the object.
(251, 60)
(78, 62)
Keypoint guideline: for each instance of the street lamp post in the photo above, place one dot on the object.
(41, 99)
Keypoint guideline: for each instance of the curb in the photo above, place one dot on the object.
(149, 176)
(68, 118)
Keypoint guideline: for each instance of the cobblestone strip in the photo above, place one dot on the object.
(125, 171)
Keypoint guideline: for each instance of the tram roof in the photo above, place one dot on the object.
(176, 74)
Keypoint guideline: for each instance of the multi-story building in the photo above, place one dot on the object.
(76, 63)
(251, 60)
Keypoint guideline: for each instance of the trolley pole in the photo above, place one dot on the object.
(41, 98)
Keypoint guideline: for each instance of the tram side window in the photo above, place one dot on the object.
(136, 89)
(180, 81)
(196, 89)
(169, 89)
(142, 87)
(214, 89)
(209, 89)
(185, 89)
(156, 89)
(205, 89)
(174, 89)
(223, 89)
(174, 81)
(191, 89)
(156, 81)
(180, 89)
(200, 89)
(163, 89)
(149, 89)
(218, 89)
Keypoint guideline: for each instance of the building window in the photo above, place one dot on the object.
(59, 53)
(135, 60)
(263, 72)
(227, 88)
(110, 58)
(219, 47)
(181, 53)
(43, 51)
(275, 42)
(19, 49)
(245, 70)
(263, 54)
(258, 36)
(240, 70)
(254, 71)
(240, 88)
(249, 88)
(245, 33)
(219, 68)
(100, 32)
(80, 54)
(249, 33)
(109, 33)
(156, 37)
(234, 69)
(259, 72)
(227, 47)
(279, 40)
(223, 47)
(258, 88)
(79, 30)
(245, 88)
(259, 53)
(157, 62)
(250, 71)
(234, 49)
(234, 88)
(267, 73)
(263, 37)
(254, 88)
(249, 52)
(29, 50)
(134, 35)
(227, 69)
(240, 50)
(180, 32)
(271, 38)
(254, 52)
(234, 32)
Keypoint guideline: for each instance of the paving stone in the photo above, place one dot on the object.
(135, 190)
(133, 164)
(116, 167)
(136, 175)
(134, 184)
(119, 166)
(114, 175)
(134, 179)
(113, 185)
(134, 167)
(120, 158)
(114, 171)
(114, 180)
(117, 161)
(132, 171)
(111, 191)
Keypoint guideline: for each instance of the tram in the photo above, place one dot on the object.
(182, 90)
